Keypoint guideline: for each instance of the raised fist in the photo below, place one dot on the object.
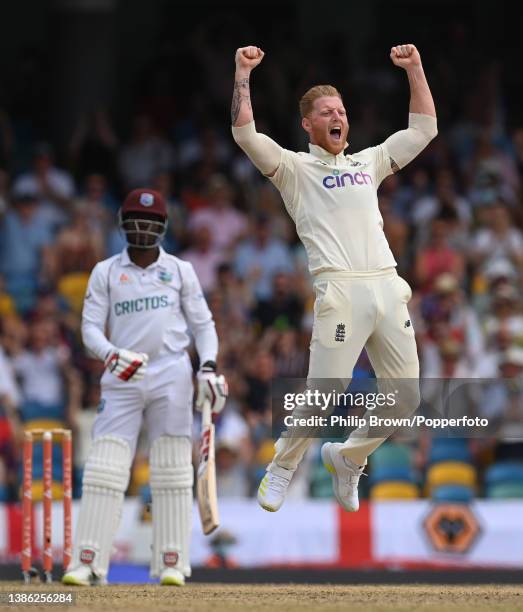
(248, 58)
(405, 56)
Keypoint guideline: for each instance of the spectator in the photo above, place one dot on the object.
(176, 229)
(26, 250)
(437, 257)
(228, 225)
(204, 259)
(145, 155)
(52, 187)
(46, 376)
(500, 240)
(259, 258)
(284, 309)
(93, 146)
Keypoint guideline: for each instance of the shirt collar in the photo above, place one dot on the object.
(320, 152)
(125, 260)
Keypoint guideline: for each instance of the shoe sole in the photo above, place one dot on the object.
(329, 466)
(266, 506)
(172, 582)
(72, 581)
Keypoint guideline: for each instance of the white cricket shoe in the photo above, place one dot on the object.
(273, 488)
(345, 475)
(82, 575)
(170, 576)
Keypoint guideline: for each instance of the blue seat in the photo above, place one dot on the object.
(449, 449)
(4, 493)
(506, 490)
(387, 473)
(504, 472)
(145, 494)
(38, 463)
(22, 288)
(452, 493)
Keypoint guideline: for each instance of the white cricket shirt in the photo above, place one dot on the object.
(147, 310)
(333, 201)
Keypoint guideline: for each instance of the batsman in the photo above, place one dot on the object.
(139, 311)
(361, 301)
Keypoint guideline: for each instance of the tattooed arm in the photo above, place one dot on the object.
(246, 59)
(264, 153)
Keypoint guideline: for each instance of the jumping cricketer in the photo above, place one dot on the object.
(360, 299)
(139, 309)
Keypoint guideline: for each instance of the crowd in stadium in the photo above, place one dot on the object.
(453, 219)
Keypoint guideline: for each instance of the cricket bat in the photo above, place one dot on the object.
(206, 475)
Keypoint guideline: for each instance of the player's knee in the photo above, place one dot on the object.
(108, 464)
(170, 463)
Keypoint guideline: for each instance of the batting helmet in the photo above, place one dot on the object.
(143, 218)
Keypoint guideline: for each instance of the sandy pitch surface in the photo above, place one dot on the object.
(199, 597)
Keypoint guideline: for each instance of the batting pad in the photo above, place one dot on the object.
(105, 480)
(171, 490)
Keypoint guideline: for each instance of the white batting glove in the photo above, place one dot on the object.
(127, 365)
(211, 387)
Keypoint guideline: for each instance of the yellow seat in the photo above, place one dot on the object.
(44, 424)
(265, 452)
(73, 287)
(450, 473)
(394, 489)
(139, 477)
(141, 473)
(37, 489)
(7, 306)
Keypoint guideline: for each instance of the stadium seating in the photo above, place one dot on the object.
(504, 480)
(449, 449)
(38, 490)
(72, 288)
(453, 493)
(450, 473)
(394, 490)
(4, 493)
(391, 473)
(391, 454)
(508, 490)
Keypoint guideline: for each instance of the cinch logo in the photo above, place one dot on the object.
(140, 304)
(340, 180)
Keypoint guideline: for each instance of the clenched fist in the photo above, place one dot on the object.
(405, 56)
(248, 58)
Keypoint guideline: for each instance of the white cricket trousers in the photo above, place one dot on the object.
(354, 310)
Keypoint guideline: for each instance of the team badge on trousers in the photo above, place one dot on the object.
(170, 558)
(87, 556)
(339, 335)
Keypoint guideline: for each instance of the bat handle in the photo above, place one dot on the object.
(206, 413)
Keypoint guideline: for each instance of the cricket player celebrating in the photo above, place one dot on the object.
(360, 299)
(139, 308)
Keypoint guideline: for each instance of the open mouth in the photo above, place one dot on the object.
(335, 133)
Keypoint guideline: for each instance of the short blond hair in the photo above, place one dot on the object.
(318, 91)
